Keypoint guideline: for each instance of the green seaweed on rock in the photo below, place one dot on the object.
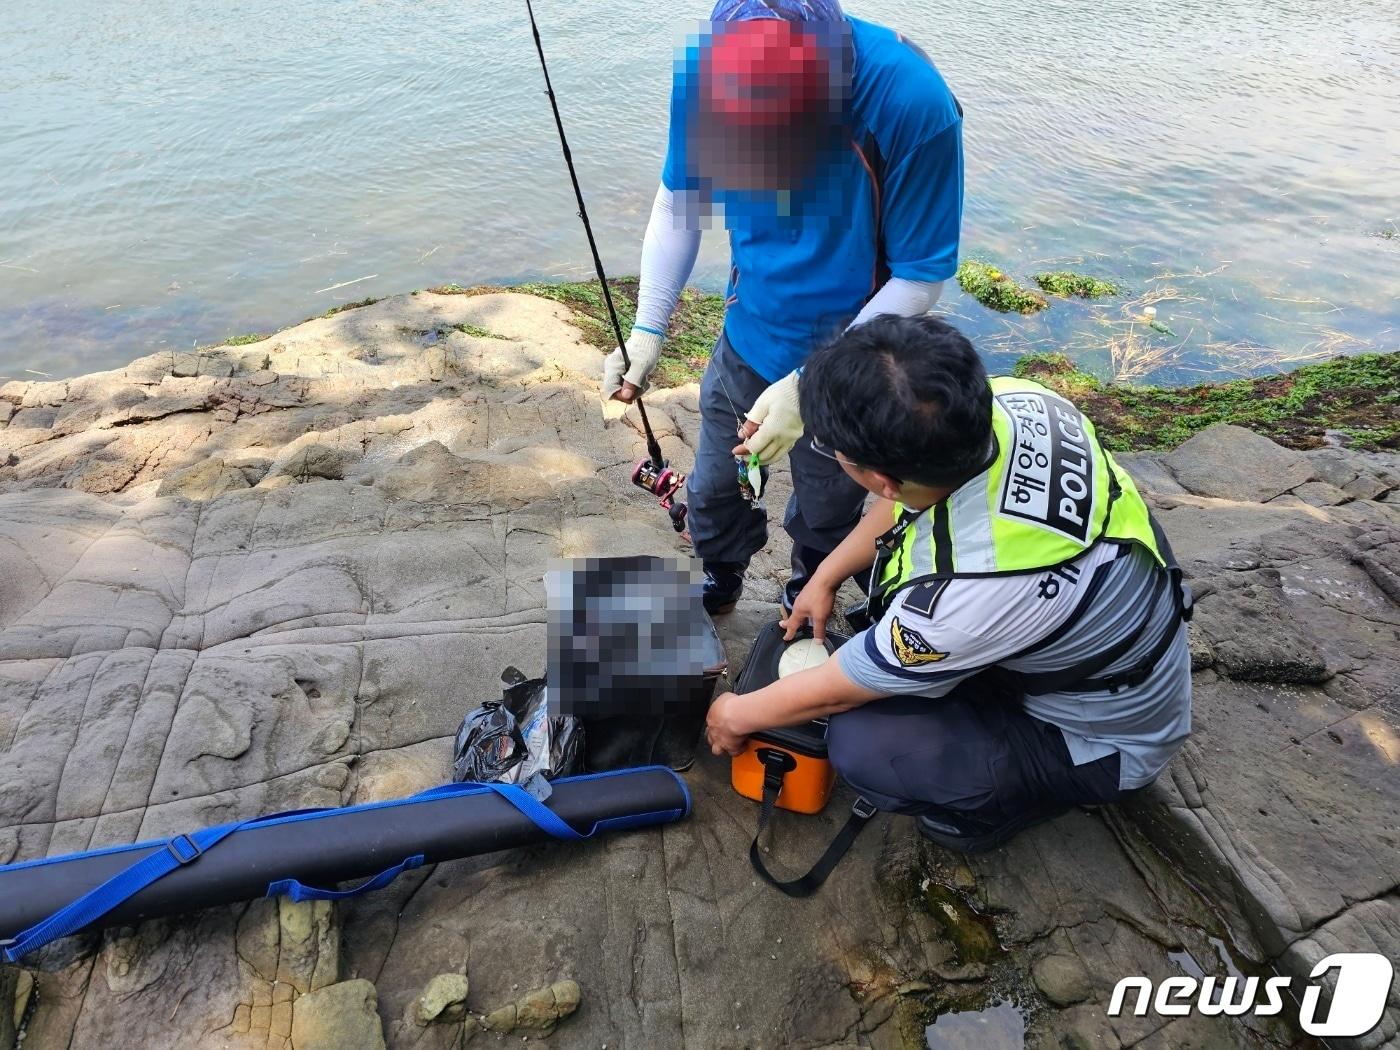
(972, 934)
(1356, 396)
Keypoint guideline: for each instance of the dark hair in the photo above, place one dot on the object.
(906, 396)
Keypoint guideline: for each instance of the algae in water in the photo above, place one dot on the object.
(1067, 283)
(997, 291)
(972, 934)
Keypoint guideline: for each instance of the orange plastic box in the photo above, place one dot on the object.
(797, 753)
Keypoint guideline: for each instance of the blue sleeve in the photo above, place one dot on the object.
(923, 198)
(683, 74)
(673, 171)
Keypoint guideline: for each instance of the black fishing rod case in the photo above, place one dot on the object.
(296, 853)
(634, 656)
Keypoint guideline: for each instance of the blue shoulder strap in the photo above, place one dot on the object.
(541, 815)
(186, 849)
(97, 902)
(297, 891)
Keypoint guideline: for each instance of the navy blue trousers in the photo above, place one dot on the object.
(974, 753)
(726, 529)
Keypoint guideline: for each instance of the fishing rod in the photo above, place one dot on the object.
(658, 466)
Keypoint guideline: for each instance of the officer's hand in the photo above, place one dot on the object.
(723, 740)
(813, 605)
(643, 351)
(779, 422)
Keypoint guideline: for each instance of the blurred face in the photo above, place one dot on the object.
(770, 107)
(762, 159)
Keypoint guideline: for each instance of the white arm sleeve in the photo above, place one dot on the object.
(902, 298)
(668, 256)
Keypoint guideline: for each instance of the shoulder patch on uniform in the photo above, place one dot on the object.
(922, 597)
(911, 648)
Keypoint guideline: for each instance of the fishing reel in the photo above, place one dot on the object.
(663, 483)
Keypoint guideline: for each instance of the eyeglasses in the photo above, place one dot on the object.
(830, 453)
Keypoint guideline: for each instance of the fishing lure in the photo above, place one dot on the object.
(750, 478)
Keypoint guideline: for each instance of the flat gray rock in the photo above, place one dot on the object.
(1229, 462)
(1321, 494)
(275, 577)
(1149, 473)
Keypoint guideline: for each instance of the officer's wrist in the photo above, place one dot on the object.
(825, 577)
(743, 715)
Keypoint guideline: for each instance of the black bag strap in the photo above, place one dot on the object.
(1081, 676)
(1184, 602)
(776, 765)
(1087, 675)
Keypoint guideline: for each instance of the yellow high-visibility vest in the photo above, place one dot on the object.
(1051, 492)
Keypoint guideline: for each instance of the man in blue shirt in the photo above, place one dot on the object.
(833, 148)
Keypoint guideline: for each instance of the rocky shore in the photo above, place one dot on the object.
(275, 575)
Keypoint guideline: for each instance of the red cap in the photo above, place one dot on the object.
(763, 72)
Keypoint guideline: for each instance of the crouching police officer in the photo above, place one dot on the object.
(1027, 649)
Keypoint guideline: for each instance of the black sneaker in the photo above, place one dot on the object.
(974, 836)
(723, 586)
(789, 596)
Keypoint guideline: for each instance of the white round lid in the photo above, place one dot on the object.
(801, 655)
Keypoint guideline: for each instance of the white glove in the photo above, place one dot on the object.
(643, 350)
(779, 420)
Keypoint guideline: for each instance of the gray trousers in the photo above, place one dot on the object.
(726, 529)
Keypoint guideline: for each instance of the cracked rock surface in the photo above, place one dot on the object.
(275, 576)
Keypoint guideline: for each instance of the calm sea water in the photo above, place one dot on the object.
(174, 172)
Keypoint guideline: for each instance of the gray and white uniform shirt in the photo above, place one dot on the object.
(1042, 622)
